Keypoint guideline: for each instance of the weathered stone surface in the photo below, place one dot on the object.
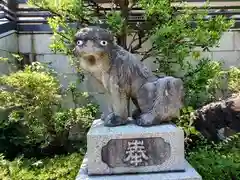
(125, 78)
(220, 119)
(132, 148)
(188, 174)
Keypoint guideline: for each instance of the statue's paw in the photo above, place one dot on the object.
(112, 120)
(145, 120)
(136, 113)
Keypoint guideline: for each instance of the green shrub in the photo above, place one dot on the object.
(59, 167)
(217, 161)
(35, 120)
(205, 83)
(208, 82)
(198, 82)
(213, 165)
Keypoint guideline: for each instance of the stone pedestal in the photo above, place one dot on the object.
(134, 149)
(188, 174)
(155, 152)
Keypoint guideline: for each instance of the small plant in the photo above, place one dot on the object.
(33, 96)
(233, 76)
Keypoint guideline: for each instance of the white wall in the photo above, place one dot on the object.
(228, 50)
(8, 45)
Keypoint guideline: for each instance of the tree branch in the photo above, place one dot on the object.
(133, 40)
(132, 5)
(63, 35)
(139, 45)
(147, 54)
(98, 8)
(124, 13)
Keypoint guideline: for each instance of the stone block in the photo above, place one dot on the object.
(236, 40)
(24, 43)
(188, 174)
(60, 63)
(132, 149)
(6, 67)
(35, 43)
(9, 42)
(41, 43)
(228, 58)
(226, 42)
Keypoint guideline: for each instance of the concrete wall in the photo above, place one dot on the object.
(228, 50)
(8, 45)
(39, 45)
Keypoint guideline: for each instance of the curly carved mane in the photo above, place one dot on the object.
(127, 66)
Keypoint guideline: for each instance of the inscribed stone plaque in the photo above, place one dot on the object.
(135, 152)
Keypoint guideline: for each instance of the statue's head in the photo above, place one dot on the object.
(93, 46)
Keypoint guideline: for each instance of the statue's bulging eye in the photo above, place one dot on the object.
(103, 43)
(79, 42)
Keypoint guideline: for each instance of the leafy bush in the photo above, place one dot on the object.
(35, 120)
(217, 161)
(213, 165)
(205, 83)
(59, 167)
(198, 82)
(208, 82)
(233, 77)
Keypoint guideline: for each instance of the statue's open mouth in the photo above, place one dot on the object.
(90, 58)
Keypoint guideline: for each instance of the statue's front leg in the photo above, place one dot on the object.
(119, 114)
(136, 113)
(146, 98)
(107, 111)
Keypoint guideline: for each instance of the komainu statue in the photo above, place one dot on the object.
(125, 78)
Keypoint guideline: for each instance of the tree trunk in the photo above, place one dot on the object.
(122, 39)
(219, 120)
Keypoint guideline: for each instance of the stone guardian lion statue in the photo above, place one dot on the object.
(125, 78)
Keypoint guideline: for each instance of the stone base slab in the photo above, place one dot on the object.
(188, 174)
(134, 149)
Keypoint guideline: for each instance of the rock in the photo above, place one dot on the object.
(220, 119)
